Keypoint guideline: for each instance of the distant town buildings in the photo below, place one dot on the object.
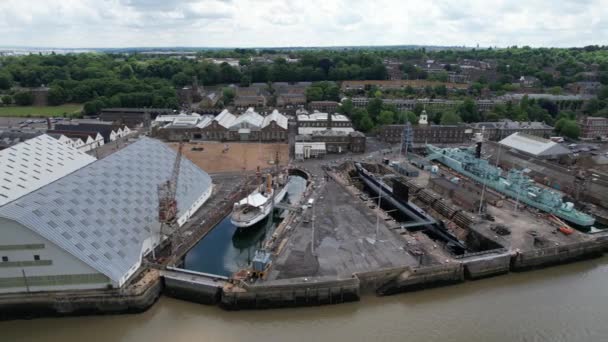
(434, 104)
(585, 87)
(498, 130)
(324, 106)
(252, 96)
(528, 81)
(398, 84)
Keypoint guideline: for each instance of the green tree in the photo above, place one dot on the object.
(6, 81)
(374, 107)
(467, 110)
(180, 79)
(591, 107)
(126, 71)
(57, 95)
(386, 117)
(7, 100)
(314, 94)
(450, 118)
(571, 129)
(347, 108)
(555, 90)
(245, 81)
(603, 94)
(228, 95)
(402, 117)
(92, 107)
(418, 108)
(24, 98)
(365, 123)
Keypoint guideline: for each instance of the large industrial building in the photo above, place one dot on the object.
(248, 126)
(534, 146)
(68, 221)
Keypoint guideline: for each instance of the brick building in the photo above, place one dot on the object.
(252, 96)
(336, 141)
(324, 106)
(432, 134)
(309, 123)
(593, 127)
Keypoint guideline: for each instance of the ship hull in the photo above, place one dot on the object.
(407, 208)
(264, 209)
(457, 166)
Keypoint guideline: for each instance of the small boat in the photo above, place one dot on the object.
(257, 205)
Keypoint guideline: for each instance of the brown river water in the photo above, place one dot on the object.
(564, 303)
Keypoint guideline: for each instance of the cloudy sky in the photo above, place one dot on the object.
(251, 23)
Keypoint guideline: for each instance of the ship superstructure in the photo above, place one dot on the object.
(514, 183)
(257, 205)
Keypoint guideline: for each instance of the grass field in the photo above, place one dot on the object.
(66, 109)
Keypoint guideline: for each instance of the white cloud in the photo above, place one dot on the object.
(247, 23)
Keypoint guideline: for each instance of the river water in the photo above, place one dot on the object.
(565, 303)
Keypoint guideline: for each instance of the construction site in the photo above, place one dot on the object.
(320, 231)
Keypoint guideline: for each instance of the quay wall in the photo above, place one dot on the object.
(191, 291)
(414, 279)
(51, 304)
(487, 266)
(557, 255)
(292, 295)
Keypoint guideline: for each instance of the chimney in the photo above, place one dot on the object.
(48, 123)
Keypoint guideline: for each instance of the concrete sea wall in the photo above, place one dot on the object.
(34, 305)
(292, 295)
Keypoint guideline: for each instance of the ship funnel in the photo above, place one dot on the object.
(268, 183)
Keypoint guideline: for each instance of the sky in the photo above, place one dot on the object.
(286, 23)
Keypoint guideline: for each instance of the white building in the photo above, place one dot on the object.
(34, 163)
(534, 146)
(307, 150)
(89, 229)
(310, 123)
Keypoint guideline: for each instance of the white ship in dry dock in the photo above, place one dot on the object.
(257, 205)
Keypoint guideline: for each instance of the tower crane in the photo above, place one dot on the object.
(167, 202)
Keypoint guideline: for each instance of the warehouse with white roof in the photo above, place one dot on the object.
(90, 228)
(534, 146)
(35, 163)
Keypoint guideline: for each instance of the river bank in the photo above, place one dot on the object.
(565, 303)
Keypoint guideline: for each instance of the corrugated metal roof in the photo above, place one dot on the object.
(35, 163)
(106, 213)
(533, 145)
